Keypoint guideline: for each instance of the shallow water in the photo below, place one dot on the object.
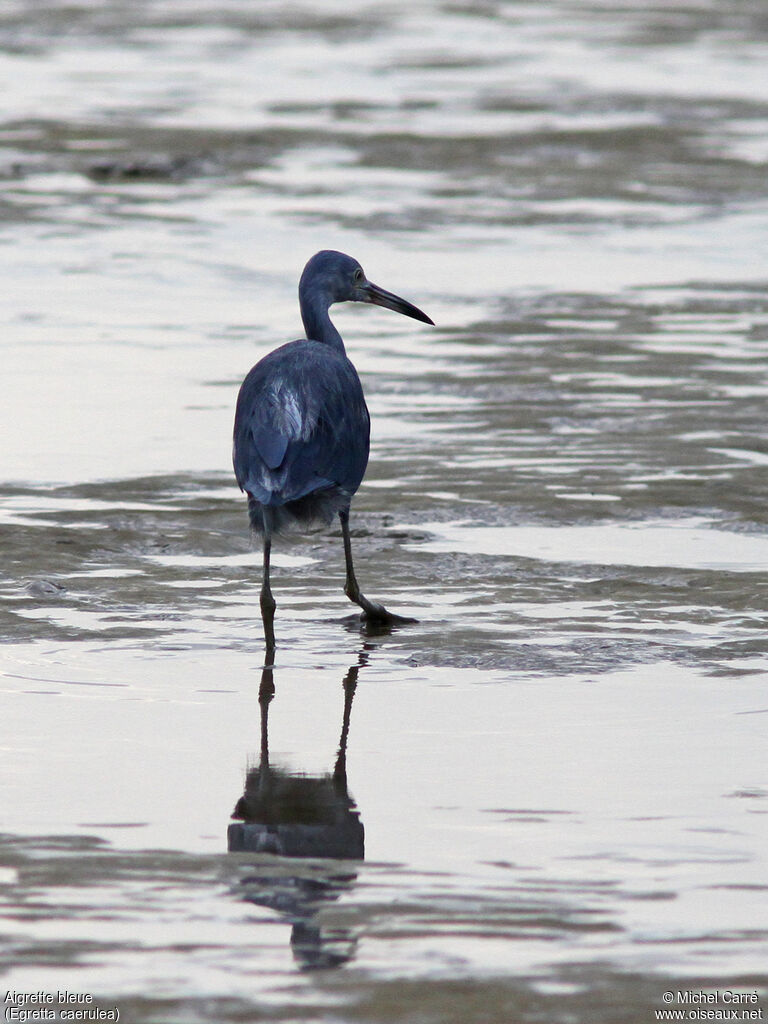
(560, 769)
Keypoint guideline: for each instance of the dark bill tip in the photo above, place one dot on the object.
(381, 297)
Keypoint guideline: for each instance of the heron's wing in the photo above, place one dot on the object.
(301, 425)
(277, 417)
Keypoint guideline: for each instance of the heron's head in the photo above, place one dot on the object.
(340, 278)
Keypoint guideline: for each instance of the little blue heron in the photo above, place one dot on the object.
(302, 427)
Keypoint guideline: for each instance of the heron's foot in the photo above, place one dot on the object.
(376, 614)
(386, 618)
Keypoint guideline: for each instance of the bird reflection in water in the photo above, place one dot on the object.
(301, 816)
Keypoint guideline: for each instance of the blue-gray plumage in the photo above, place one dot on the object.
(302, 427)
(301, 434)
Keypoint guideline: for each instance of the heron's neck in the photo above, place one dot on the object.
(317, 323)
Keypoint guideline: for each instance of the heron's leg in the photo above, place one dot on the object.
(372, 610)
(267, 600)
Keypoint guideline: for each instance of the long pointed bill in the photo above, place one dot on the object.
(381, 297)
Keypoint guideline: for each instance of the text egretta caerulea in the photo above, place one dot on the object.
(302, 426)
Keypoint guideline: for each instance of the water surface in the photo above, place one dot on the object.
(559, 770)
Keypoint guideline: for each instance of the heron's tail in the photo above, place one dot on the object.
(317, 507)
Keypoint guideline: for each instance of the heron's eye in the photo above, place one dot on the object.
(359, 275)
